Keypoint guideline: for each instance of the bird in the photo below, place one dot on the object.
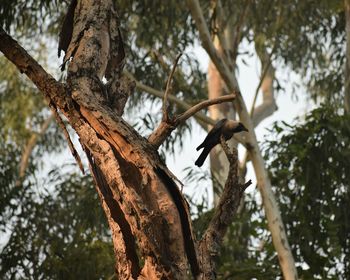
(223, 127)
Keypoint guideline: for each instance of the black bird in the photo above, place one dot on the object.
(223, 127)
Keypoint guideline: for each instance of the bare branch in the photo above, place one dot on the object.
(202, 118)
(66, 135)
(239, 27)
(165, 128)
(168, 89)
(204, 104)
(227, 207)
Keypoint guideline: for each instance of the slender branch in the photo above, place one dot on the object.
(29, 149)
(168, 89)
(265, 70)
(66, 135)
(204, 104)
(202, 119)
(239, 27)
(54, 92)
(227, 207)
(165, 128)
(181, 104)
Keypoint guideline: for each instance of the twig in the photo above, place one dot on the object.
(168, 89)
(66, 135)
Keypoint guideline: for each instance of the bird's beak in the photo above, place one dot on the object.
(245, 129)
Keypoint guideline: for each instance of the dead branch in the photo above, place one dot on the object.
(66, 135)
(204, 104)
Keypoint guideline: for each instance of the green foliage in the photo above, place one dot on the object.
(59, 233)
(309, 166)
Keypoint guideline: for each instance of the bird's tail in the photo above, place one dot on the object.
(200, 146)
(199, 162)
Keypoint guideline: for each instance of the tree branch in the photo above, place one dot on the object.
(168, 89)
(165, 128)
(202, 119)
(204, 104)
(54, 92)
(227, 207)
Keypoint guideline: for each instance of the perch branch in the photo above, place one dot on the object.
(165, 128)
(223, 216)
(204, 104)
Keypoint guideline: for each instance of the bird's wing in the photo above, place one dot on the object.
(217, 127)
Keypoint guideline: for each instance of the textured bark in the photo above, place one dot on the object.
(347, 66)
(146, 212)
(272, 212)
